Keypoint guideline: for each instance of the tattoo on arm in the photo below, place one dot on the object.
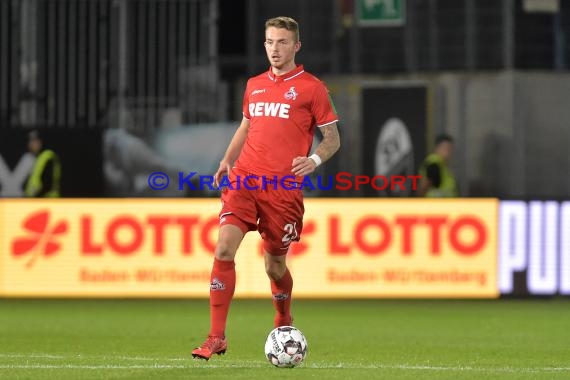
(330, 143)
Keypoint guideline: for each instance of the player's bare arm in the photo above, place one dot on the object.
(234, 148)
(325, 150)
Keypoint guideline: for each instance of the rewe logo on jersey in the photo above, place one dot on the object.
(269, 109)
(40, 239)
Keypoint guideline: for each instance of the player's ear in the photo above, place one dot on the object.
(297, 46)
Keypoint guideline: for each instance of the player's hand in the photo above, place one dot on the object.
(303, 166)
(223, 169)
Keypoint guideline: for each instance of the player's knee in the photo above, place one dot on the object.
(225, 251)
(275, 270)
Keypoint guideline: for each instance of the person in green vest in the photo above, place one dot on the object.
(437, 179)
(44, 180)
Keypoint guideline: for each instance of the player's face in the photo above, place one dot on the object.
(281, 46)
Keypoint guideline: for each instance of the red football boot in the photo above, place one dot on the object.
(212, 345)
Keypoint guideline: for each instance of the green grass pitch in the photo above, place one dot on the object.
(348, 339)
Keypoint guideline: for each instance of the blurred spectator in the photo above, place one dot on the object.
(45, 178)
(437, 179)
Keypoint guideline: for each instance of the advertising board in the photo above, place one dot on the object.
(164, 248)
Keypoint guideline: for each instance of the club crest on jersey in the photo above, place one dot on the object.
(291, 94)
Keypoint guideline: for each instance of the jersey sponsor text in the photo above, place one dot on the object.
(269, 109)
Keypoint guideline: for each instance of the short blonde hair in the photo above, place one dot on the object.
(283, 22)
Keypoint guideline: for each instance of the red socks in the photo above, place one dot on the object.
(222, 286)
(281, 290)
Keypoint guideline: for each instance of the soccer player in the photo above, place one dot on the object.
(281, 110)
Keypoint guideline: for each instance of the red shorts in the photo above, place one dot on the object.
(255, 204)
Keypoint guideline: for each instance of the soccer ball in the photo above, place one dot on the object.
(286, 347)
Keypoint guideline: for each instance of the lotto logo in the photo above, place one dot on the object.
(40, 238)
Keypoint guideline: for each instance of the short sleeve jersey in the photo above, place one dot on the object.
(283, 112)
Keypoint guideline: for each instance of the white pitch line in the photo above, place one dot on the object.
(445, 368)
(190, 363)
(50, 356)
(312, 366)
(46, 356)
(78, 366)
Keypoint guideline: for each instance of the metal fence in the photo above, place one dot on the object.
(96, 63)
(145, 63)
(434, 35)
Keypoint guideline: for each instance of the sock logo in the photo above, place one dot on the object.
(217, 285)
(280, 296)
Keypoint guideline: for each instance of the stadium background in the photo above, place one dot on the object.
(123, 88)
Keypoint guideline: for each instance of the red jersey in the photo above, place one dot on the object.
(283, 112)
